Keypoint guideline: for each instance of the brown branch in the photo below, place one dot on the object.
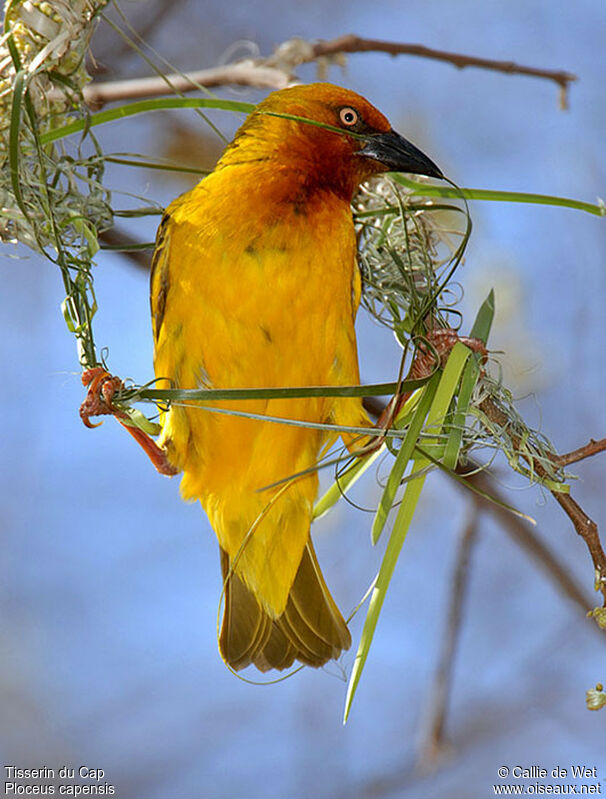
(275, 72)
(244, 73)
(432, 740)
(593, 448)
(588, 530)
(351, 43)
(518, 530)
(583, 525)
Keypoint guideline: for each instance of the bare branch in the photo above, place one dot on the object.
(356, 44)
(516, 528)
(244, 73)
(583, 525)
(276, 71)
(593, 448)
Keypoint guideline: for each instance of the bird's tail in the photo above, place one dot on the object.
(311, 629)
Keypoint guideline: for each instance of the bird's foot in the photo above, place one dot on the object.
(102, 387)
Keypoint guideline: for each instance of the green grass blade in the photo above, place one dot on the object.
(213, 394)
(447, 387)
(132, 213)
(19, 88)
(130, 247)
(141, 107)
(315, 469)
(394, 210)
(499, 196)
(344, 482)
(315, 123)
(149, 164)
(330, 428)
(484, 319)
(469, 379)
(403, 457)
(480, 330)
(136, 419)
(396, 540)
(443, 393)
(465, 483)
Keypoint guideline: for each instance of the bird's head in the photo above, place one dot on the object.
(358, 143)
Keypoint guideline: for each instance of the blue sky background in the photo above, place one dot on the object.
(109, 584)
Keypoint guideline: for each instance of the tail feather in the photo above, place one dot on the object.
(310, 646)
(278, 653)
(313, 601)
(311, 629)
(245, 627)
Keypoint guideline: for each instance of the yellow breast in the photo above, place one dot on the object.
(254, 290)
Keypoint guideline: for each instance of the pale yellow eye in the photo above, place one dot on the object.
(349, 116)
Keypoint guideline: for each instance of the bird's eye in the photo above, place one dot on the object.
(349, 116)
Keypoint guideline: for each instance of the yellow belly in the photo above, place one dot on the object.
(265, 307)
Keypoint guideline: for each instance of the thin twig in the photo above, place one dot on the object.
(351, 43)
(592, 448)
(432, 738)
(584, 526)
(520, 532)
(276, 71)
(244, 73)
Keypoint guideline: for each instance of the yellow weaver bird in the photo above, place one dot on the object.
(255, 283)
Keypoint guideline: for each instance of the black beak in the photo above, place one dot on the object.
(398, 154)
